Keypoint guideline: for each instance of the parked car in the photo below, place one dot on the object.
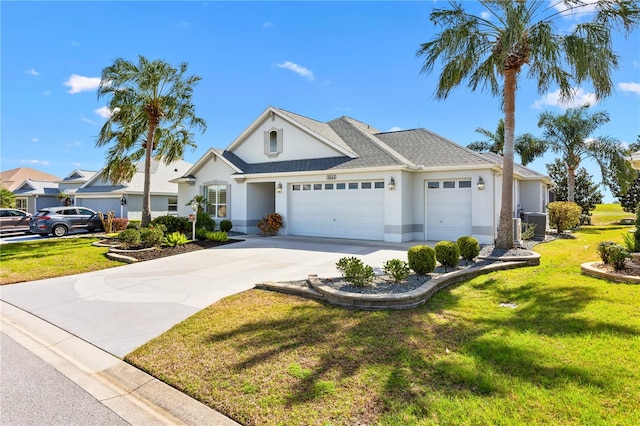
(60, 220)
(14, 220)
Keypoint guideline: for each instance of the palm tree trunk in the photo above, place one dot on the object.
(571, 184)
(146, 194)
(505, 224)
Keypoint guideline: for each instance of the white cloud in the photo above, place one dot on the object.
(586, 7)
(485, 15)
(395, 129)
(630, 87)
(86, 120)
(580, 97)
(74, 143)
(76, 164)
(635, 63)
(32, 71)
(75, 44)
(267, 24)
(34, 139)
(79, 83)
(300, 70)
(46, 93)
(103, 112)
(44, 163)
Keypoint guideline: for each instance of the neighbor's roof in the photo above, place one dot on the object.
(518, 169)
(161, 176)
(12, 179)
(37, 187)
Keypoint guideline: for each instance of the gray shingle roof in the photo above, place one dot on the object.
(517, 168)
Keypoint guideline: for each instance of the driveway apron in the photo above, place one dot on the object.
(120, 309)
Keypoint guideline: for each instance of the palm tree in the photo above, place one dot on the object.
(527, 146)
(491, 52)
(568, 134)
(151, 117)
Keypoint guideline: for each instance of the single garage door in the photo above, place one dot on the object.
(337, 210)
(448, 209)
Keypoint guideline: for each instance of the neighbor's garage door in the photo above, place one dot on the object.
(448, 209)
(337, 210)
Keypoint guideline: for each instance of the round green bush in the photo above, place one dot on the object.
(204, 221)
(151, 237)
(172, 223)
(226, 225)
(447, 254)
(129, 237)
(469, 248)
(422, 259)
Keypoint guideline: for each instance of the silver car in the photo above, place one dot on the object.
(60, 220)
(14, 220)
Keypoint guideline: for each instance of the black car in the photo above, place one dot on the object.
(60, 220)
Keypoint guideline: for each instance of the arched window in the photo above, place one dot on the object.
(273, 142)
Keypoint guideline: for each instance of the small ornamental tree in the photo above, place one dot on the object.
(7, 198)
(564, 215)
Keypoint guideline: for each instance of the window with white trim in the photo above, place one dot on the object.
(21, 204)
(273, 142)
(216, 200)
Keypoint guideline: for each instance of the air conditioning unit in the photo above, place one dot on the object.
(517, 231)
(540, 220)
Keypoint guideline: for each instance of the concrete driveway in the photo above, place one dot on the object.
(121, 308)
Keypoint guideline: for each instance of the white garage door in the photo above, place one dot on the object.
(448, 209)
(337, 210)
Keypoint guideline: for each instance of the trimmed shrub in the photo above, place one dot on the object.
(469, 248)
(151, 237)
(356, 272)
(270, 224)
(447, 254)
(226, 225)
(220, 236)
(172, 224)
(174, 239)
(617, 256)
(204, 221)
(564, 215)
(528, 230)
(422, 259)
(603, 250)
(396, 269)
(120, 224)
(129, 238)
(135, 224)
(201, 233)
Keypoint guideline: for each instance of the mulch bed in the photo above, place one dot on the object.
(179, 249)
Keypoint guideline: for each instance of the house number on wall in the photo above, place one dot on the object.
(331, 177)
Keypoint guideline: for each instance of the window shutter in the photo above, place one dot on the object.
(229, 201)
(280, 132)
(266, 143)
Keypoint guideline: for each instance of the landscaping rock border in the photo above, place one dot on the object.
(591, 270)
(407, 300)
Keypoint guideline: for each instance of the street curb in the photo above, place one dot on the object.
(132, 394)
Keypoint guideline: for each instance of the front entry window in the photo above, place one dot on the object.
(217, 201)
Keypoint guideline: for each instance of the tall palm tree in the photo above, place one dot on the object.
(568, 134)
(151, 117)
(491, 52)
(527, 146)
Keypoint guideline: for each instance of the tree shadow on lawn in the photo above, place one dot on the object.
(402, 357)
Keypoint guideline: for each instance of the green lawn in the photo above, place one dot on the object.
(34, 260)
(567, 354)
(607, 214)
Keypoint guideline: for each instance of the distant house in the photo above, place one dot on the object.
(32, 195)
(125, 199)
(15, 178)
(345, 179)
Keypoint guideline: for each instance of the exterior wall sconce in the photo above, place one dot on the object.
(279, 187)
(123, 201)
(480, 183)
(392, 184)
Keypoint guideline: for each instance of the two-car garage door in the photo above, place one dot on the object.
(337, 209)
(448, 209)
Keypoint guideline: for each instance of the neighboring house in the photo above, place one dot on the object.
(345, 179)
(15, 178)
(125, 199)
(32, 195)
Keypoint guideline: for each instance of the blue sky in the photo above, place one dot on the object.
(318, 59)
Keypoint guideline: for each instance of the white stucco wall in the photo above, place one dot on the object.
(296, 144)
